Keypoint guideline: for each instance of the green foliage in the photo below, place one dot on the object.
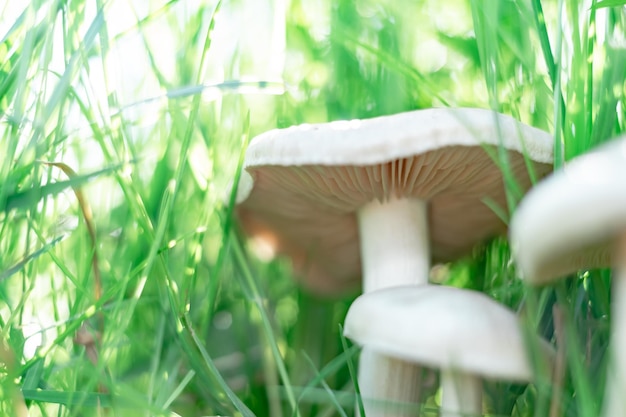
(153, 102)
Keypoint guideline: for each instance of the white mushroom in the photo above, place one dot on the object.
(423, 176)
(379, 199)
(464, 333)
(576, 219)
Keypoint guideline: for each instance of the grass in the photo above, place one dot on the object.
(152, 103)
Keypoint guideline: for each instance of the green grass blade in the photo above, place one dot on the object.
(23, 200)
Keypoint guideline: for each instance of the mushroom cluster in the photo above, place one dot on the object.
(375, 202)
(584, 207)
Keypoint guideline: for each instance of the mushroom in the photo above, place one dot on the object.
(464, 333)
(378, 199)
(412, 186)
(576, 219)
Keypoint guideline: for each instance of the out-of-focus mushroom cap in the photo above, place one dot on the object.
(570, 220)
(310, 180)
(444, 327)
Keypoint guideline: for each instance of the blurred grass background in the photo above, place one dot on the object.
(151, 103)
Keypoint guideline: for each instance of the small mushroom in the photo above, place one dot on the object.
(464, 333)
(375, 201)
(576, 219)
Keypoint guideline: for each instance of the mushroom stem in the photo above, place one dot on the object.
(614, 401)
(461, 394)
(395, 246)
(395, 251)
(394, 382)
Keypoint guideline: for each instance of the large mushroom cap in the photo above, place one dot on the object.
(569, 221)
(443, 327)
(305, 183)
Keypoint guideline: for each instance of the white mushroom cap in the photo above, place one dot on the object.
(443, 327)
(569, 220)
(304, 185)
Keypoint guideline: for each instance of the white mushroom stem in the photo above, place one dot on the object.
(395, 251)
(394, 382)
(614, 399)
(395, 246)
(461, 394)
